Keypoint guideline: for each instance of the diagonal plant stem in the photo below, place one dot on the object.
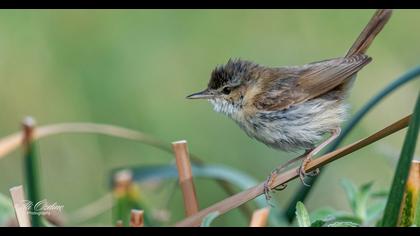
(12, 142)
(304, 191)
(392, 209)
(251, 193)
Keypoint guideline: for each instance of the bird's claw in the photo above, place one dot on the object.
(303, 174)
(268, 189)
(280, 187)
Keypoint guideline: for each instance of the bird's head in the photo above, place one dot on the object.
(228, 85)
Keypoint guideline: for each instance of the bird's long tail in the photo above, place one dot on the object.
(375, 25)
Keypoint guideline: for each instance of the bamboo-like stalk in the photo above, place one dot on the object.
(259, 217)
(13, 141)
(18, 198)
(137, 219)
(185, 177)
(411, 199)
(251, 193)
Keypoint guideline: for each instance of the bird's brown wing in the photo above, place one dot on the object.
(298, 84)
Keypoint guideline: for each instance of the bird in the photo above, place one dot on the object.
(291, 108)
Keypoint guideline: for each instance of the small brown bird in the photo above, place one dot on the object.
(291, 108)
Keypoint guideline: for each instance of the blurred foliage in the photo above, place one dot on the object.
(133, 68)
(367, 208)
(6, 210)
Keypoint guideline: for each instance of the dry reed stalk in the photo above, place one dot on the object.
(260, 217)
(136, 218)
(13, 141)
(185, 177)
(251, 193)
(18, 198)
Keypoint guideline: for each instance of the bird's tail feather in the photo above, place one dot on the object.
(375, 25)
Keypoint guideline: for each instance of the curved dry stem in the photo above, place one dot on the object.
(251, 193)
(12, 142)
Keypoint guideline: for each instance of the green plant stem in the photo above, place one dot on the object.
(32, 184)
(395, 197)
(303, 192)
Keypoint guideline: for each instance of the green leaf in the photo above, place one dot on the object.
(380, 194)
(362, 198)
(374, 211)
(351, 193)
(343, 224)
(349, 218)
(209, 218)
(324, 214)
(302, 215)
(318, 223)
(401, 174)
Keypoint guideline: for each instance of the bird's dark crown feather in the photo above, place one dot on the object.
(233, 72)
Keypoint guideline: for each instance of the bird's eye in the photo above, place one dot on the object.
(226, 90)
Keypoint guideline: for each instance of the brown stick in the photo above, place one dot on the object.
(13, 141)
(259, 218)
(136, 218)
(251, 193)
(18, 198)
(185, 177)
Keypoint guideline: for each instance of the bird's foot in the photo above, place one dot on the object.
(267, 186)
(303, 173)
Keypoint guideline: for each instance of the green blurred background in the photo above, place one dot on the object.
(133, 68)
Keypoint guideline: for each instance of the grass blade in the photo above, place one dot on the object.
(401, 174)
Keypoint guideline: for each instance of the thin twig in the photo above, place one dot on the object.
(251, 193)
(185, 177)
(259, 218)
(18, 198)
(13, 141)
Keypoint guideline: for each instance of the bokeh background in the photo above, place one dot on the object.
(133, 68)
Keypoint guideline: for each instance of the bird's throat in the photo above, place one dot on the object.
(228, 108)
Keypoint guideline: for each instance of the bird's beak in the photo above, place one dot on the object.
(205, 94)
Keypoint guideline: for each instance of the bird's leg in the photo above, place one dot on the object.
(269, 180)
(302, 173)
